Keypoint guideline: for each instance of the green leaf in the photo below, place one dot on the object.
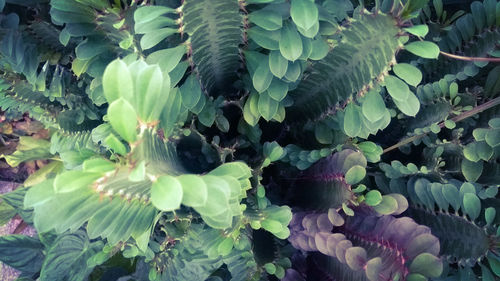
(148, 13)
(410, 106)
(492, 137)
(373, 106)
(348, 211)
(427, 264)
(489, 215)
(225, 246)
(22, 253)
(418, 30)
(373, 198)
(397, 88)
(355, 174)
(115, 144)
(138, 173)
(194, 190)
(262, 77)
(218, 196)
(266, 19)
(360, 188)
(191, 92)
(494, 123)
(411, 7)
(449, 124)
(73, 180)
(7, 212)
(123, 119)
(207, 115)
(319, 49)
(494, 264)
(250, 117)
(43, 173)
(151, 39)
(270, 268)
(98, 165)
(117, 82)
(265, 38)
(451, 194)
(39, 194)
(323, 133)
(273, 151)
(486, 274)
(66, 256)
(424, 49)
(409, 73)
(150, 94)
(267, 106)
(277, 64)
(277, 89)
(167, 59)
(352, 120)
(293, 72)
(309, 33)
(471, 170)
(387, 206)
(290, 44)
(272, 226)
(472, 205)
(166, 193)
(304, 13)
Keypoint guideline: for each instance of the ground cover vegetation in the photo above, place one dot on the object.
(252, 139)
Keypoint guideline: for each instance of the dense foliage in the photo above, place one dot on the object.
(254, 139)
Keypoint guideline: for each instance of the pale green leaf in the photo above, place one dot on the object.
(424, 49)
(262, 77)
(427, 264)
(166, 193)
(151, 39)
(190, 92)
(418, 30)
(373, 106)
(117, 82)
(194, 190)
(277, 89)
(304, 13)
(352, 120)
(267, 106)
(373, 198)
(290, 43)
(73, 180)
(277, 64)
(409, 73)
(355, 174)
(472, 205)
(267, 19)
(397, 88)
(123, 119)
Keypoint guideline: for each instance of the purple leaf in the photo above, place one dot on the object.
(355, 258)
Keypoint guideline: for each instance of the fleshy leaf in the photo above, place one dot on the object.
(166, 193)
(424, 49)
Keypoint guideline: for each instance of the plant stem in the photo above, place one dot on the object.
(492, 103)
(469, 58)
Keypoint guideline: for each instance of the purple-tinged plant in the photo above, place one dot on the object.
(381, 246)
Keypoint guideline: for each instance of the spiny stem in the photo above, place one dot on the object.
(469, 58)
(492, 103)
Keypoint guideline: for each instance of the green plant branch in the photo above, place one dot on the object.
(492, 103)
